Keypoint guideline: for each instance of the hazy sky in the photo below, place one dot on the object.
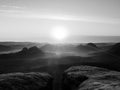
(33, 20)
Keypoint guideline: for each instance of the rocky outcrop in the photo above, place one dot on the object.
(87, 48)
(92, 45)
(90, 78)
(25, 53)
(26, 81)
(31, 51)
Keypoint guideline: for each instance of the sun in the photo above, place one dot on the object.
(59, 33)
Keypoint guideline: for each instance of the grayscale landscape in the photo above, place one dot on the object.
(55, 59)
(59, 44)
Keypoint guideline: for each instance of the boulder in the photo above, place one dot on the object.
(90, 78)
(26, 81)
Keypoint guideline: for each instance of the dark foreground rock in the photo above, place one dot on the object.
(90, 78)
(25, 81)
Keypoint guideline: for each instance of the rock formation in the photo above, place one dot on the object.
(25, 81)
(90, 78)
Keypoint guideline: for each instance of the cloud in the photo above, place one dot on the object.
(11, 6)
(70, 18)
(19, 12)
(11, 10)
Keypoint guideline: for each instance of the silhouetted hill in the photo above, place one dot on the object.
(25, 52)
(10, 47)
(92, 45)
(115, 49)
(30, 51)
(22, 60)
(106, 58)
(86, 48)
(70, 48)
(5, 48)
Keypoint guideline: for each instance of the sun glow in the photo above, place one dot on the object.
(59, 33)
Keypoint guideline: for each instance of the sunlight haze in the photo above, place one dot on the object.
(33, 20)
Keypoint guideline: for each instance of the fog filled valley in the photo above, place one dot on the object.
(52, 64)
(33, 56)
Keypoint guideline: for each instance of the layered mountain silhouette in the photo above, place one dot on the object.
(115, 50)
(24, 58)
(30, 51)
(92, 45)
(5, 48)
(70, 48)
(87, 48)
(24, 53)
(35, 59)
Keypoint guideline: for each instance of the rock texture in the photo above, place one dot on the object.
(92, 45)
(25, 81)
(90, 78)
(31, 51)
